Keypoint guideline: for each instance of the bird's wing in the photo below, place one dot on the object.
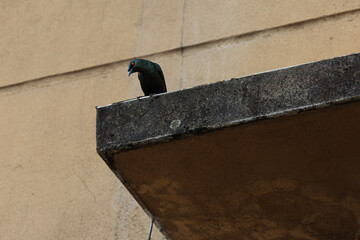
(158, 70)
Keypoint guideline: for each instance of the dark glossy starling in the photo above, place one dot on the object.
(151, 77)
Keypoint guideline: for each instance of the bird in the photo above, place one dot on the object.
(151, 77)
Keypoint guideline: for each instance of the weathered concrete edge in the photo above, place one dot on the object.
(106, 154)
(347, 67)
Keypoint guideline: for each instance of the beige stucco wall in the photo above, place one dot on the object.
(61, 58)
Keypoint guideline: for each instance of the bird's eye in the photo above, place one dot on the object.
(132, 63)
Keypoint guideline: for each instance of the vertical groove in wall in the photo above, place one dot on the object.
(182, 45)
(136, 52)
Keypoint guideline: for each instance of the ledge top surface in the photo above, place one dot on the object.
(132, 123)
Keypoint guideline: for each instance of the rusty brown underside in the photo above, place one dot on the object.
(294, 177)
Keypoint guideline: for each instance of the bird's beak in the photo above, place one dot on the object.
(130, 72)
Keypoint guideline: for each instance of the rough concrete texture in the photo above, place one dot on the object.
(293, 177)
(131, 123)
(45, 39)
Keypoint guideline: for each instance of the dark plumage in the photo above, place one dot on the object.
(151, 77)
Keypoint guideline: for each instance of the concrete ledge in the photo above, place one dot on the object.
(130, 124)
(293, 177)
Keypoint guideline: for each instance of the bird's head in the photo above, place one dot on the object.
(134, 66)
